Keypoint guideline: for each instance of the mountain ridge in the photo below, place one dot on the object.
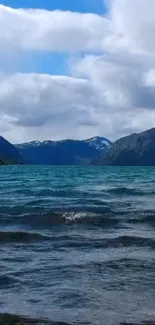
(97, 142)
(63, 152)
(9, 154)
(136, 149)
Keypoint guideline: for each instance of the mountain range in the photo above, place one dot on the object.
(65, 152)
(137, 149)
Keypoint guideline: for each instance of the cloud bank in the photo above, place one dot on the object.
(111, 87)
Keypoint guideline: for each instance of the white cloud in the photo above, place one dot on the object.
(129, 25)
(133, 24)
(121, 80)
(43, 106)
(60, 104)
(110, 94)
(50, 30)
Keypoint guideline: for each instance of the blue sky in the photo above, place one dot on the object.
(95, 6)
(53, 63)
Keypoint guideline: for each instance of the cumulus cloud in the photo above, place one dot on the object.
(129, 25)
(59, 103)
(133, 24)
(43, 106)
(111, 93)
(124, 81)
(45, 30)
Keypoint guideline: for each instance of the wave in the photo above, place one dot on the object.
(126, 241)
(142, 218)
(149, 218)
(6, 319)
(144, 322)
(6, 281)
(129, 191)
(134, 264)
(103, 216)
(21, 236)
(116, 242)
(25, 320)
(92, 216)
(76, 242)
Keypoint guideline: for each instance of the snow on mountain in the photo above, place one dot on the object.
(34, 143)
(65, 152)
(99, 143)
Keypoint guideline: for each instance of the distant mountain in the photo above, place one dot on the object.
(9, 154)
(137, 149)
(100, 143)
(65, 152)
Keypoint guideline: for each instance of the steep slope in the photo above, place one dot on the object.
(9, 154)
(100, 143)
(133, 150)
(66, 152)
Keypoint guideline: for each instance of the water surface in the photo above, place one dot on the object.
(77, 244)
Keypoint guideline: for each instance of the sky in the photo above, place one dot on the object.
(76, 68)
(84, 6)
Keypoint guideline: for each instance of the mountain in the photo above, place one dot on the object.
(65, 152)
(100, 143)
(137, 149)
(9, 154)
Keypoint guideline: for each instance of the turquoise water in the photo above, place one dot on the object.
(77, 244)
